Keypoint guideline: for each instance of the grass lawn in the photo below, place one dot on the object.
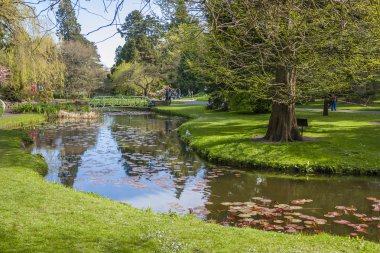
(38, 216)
(318, 104)
(20, 120)
(340, 143)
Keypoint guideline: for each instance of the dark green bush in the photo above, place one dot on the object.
(242, 101)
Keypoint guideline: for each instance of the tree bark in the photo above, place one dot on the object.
(326, 107)
(283, 122)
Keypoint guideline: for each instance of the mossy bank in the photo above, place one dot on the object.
(342, 143)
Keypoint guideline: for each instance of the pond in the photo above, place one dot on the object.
(137, 158)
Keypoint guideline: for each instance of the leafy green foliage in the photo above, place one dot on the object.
(138, 78)
(84, 73)
(142, 35)
(31, 60)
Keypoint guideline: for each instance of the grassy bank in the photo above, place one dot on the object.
(37, 216)
(341, 143)
(20, 120)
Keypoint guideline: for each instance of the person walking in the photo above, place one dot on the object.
(333, 102)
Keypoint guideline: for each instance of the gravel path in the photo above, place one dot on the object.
(347, 111)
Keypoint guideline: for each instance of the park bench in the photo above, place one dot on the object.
(302, 123)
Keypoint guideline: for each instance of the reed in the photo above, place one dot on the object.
(77, 115)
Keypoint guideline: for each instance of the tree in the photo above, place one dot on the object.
(136, 78)
(142, 35)
(272, 43)
(83, 72)
(68, 26)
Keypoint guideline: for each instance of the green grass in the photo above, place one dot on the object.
(318, 104)
(120, 101)
(38, 216)
(197, 97)
(20, 120)
(341, 143)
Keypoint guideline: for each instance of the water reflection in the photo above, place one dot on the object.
(138, 159)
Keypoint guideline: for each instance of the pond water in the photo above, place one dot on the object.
(137, 158)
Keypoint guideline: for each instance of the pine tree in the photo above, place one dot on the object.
(68, 26)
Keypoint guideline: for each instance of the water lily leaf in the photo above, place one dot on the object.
(282, 206)
(320, 221)
(300, 201)
(295, 220)
(354, 234)
(244, 215)
(295, 207)
(291, 230)
(359, 215)
(237, 203)
(361, 230)
(372, 198)
(278, 221)
(278, 227)
(345, 222)
(333, 214)
(226, 203)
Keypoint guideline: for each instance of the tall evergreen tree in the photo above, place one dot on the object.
(141, 35)
(68, 26)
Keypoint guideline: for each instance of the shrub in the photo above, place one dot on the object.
(242, 101)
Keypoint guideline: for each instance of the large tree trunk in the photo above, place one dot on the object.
(326, 103)
(283, 122)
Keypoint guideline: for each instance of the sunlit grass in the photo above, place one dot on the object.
(20, 120)
(340, 143)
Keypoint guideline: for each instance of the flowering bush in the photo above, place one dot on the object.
(4, 73)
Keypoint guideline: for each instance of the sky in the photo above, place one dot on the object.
(92, 15)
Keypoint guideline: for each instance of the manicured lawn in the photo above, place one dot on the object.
(318, 104)
(340, 143)
(38, 216)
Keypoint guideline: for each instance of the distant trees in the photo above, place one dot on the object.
(137, 78)
(142, 35)
(167, 49)
(137, 67)
(83, 72)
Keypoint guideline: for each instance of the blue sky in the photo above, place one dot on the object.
(91, 20)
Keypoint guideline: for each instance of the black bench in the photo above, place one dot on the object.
(302, 123)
